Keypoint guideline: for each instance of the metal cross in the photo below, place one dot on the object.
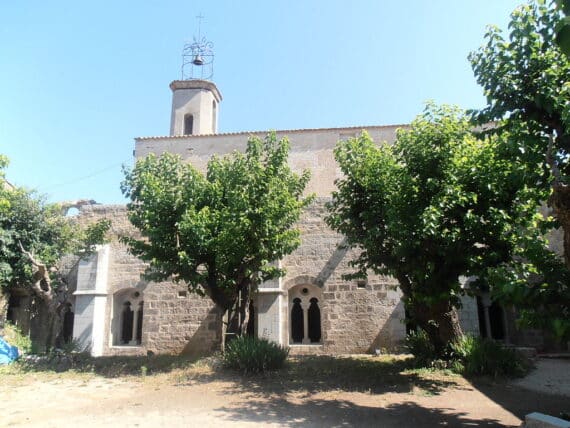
(199, 18)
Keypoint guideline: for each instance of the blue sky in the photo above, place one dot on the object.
(79, 80)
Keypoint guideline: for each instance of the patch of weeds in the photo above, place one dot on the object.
(476, 356)
(14, 336)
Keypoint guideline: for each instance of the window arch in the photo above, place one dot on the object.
(188, 124)
(127, 322)
(305, 315)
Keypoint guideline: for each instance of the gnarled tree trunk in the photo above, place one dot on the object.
(42, 287)
(440, 321)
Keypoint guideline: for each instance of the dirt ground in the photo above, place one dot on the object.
(206, 396)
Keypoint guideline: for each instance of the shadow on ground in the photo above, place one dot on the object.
(340, 413)
(520, 401)
(310, 375)
(109, 367)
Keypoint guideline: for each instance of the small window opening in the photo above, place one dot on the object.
(182, 293)
(188, 124)
(314, 321)
(127, 323)
(297, 323)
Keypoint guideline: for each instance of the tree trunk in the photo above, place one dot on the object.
(440, 321)
(560, 202)
(236, 312)
(52, 301)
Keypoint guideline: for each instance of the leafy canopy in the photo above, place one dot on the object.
(27, 221)
(437, 204)
(218, 232)
(526, 78)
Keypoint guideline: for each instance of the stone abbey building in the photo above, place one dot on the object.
(113, 311)
(311, 309)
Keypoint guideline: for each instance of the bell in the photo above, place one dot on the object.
(198, 60)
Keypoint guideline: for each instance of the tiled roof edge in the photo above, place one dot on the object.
(174, 137)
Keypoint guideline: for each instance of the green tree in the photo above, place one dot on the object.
(563, 28)
(34, 236)
(218, 232)
(526, 79)
(436, 205)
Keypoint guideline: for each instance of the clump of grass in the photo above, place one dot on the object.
(249, 354)
(476, 356)
(471, 356)
(14, 336)
(419, 345)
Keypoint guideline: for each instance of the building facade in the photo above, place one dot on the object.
(312, 309)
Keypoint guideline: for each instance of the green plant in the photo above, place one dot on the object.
(217, 232)
(75, 345)
(252, 355)
(420, 346)
(14, 336)
(478, 356)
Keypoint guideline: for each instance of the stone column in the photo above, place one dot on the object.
(486, 301)
(136, 314)
(305, 307)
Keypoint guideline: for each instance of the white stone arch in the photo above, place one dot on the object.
(127, 317)
(305, 309)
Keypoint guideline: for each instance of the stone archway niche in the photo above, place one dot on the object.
(305, 315)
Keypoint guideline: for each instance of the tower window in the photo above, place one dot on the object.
(188, 124)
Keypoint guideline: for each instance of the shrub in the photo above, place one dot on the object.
(477, 356)
(14, 336)
(252, 355)
(419, 345)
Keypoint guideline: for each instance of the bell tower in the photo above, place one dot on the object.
(195, 98)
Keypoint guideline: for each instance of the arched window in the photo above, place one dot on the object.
(297, 322)
(305, 315)
(127, 317)
(188, 124)
(127, 323)
(314, 321)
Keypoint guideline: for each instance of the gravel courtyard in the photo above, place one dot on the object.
(341, 395)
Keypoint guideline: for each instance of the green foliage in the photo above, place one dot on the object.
(249, 354)
(437, 204)
(218, 232)
(468, 355)
(14, 337)
(526, 79)
(475, 356)
(418, 344)
(563, 27)
(41, 228)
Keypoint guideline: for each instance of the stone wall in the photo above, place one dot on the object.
(310, 149)
(172, 322)
(356, 318)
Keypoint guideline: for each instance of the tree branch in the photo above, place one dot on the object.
(40, 277)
